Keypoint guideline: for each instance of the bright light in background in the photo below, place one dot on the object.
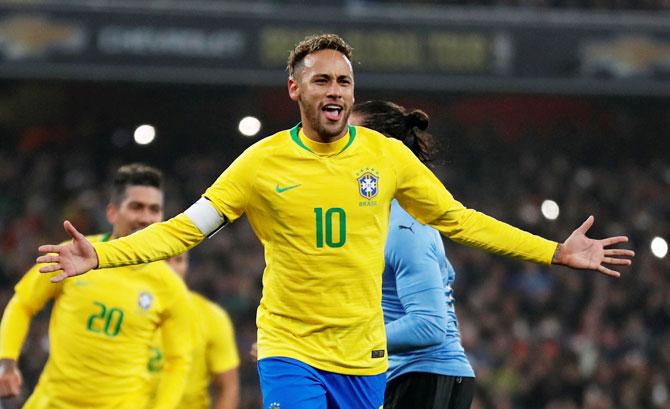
(249, 126)
(550, 209)
(659, 247)
(144, 134)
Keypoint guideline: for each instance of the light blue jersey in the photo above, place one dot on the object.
(417, 298)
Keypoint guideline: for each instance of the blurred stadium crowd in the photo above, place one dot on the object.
(537, 337)
(538, 4)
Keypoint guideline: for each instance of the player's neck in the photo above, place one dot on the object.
(320, 138)
(321, 148)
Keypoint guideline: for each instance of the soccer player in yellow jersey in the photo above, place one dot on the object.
(215, 356)
(103, 323)
(318, 198)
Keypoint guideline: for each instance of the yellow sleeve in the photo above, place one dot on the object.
(31, 293)
(158, 241)
(422, 194)
(13, 328)
(222, 352)
(177, 342)
(230, 192)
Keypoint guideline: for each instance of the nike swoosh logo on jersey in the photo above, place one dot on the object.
(284, 189)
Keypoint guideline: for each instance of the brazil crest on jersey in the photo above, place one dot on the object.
(367, 183)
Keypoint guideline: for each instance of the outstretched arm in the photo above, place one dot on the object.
(223, 202)
(156, 242)
(424, 197)
(581, 252)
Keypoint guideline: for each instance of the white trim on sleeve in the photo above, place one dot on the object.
(205, 217)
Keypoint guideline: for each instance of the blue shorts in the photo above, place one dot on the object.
(290, 384)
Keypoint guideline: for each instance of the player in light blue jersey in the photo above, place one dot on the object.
(427, 363)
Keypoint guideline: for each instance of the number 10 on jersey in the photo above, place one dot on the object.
(334, 214)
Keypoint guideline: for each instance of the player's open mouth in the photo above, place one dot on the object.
(333, 112)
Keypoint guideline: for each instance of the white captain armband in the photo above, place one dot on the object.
(205, 217)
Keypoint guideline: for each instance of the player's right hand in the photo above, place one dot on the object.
(74, 258)
(10, 379)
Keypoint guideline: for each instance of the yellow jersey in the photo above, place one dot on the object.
(214, 352)
(100, 330)
(321, 211)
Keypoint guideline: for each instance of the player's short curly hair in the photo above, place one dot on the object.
(134, 174)
(313, 44)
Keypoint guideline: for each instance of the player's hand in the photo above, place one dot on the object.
(74, 258)
(581, 252)
(253, 352)
(10, 379)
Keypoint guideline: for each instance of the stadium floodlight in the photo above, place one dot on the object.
(550, 209)
(659, 247)
(144, 134)
(249, 126)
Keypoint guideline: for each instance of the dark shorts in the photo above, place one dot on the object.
(419, 390)
(290, 384)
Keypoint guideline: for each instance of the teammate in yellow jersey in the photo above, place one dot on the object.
(103, 323)
(215, 356)
(318, 198)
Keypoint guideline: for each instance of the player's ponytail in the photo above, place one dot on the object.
(418, 118)
(395, 122)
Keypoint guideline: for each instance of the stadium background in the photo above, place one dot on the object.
(567, 100)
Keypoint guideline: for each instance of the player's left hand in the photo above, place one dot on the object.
(584, 253)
